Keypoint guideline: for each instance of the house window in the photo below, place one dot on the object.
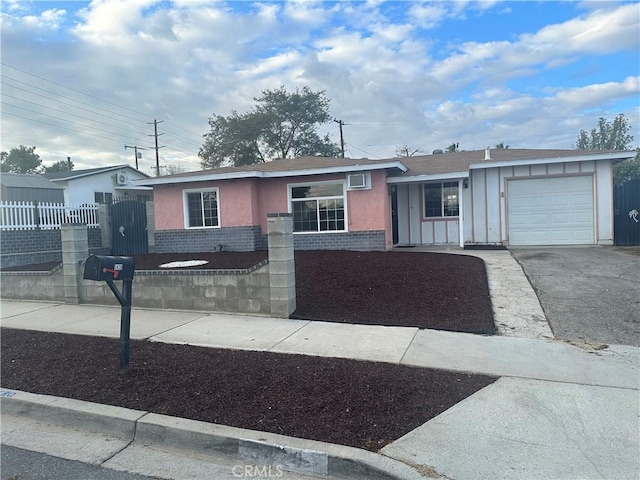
(318, 207)
(201, 208)
(103, 197)
(441, 199)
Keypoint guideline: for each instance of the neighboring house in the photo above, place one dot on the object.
(487, 197)
(20, 187)
(101, 185)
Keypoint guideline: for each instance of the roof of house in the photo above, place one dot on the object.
(287, 167)
(60, 176)
(445, 165)
(24, 180)
(459, 163)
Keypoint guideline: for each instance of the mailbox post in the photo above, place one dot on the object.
(108, 269)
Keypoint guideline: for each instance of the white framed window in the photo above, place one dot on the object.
(441, 199)
(201, 208)
(318, 206)
(103, 197)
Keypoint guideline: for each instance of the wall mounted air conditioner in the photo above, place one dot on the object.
(120, 179)
(359, 181)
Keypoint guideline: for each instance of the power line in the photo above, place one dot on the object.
(64, 120)
(57, 126)
(64, 96)
(66, 112)
(119, 114)
(67, 87)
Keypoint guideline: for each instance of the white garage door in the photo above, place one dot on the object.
(551, 211)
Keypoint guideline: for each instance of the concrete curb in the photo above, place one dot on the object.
(248, 447)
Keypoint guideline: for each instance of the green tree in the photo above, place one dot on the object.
(60, 166)
(502, 146)
(607, 135)
(281, 125)
(612, 136)
(627, 170)
(20, 160)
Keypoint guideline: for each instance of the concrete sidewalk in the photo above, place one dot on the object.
(561, 411)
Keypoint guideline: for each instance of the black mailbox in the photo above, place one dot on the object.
(101, 267)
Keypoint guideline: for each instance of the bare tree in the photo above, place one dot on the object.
(407, 151)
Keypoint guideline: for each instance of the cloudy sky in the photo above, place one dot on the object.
(83, 79)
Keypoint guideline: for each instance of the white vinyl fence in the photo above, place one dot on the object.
(46, 216)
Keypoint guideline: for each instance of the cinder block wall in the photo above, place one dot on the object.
(25, 247)
(246, 292)
(373, 240)
(33, 285)
(233, 239)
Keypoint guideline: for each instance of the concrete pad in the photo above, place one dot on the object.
(361, 342)
(528, 429)
(516, 309)
(10, 309)
(232, 331)
(525, 357)
(72, 444)
(103, 321)
(176, 464)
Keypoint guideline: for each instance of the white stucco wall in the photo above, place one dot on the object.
(82, 190)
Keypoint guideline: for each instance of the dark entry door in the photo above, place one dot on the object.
(394, 213)
(128, 228)
(626, 219)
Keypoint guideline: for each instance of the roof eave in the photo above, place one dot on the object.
(198, 178)
(276, 174)
(337, 169)
(428, 177)
(539, 161)
(88, 174)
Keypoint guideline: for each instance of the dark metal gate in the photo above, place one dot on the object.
(128, 228)
(626, 208)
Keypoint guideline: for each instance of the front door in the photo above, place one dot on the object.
(394, 213)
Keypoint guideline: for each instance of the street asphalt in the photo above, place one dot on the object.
(559, 411)
(589, 294)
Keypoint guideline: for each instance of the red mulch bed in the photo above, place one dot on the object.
(360, 404)
(410, 289)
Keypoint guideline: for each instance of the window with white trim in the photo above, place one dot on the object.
(318, 207)
(441, 199)
(201, 208)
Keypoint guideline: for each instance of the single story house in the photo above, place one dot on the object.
(488, 197)
(101, 185)
(23, 187)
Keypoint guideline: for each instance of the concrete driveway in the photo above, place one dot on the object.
(589, 294)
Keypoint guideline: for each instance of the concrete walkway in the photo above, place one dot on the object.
(516, 309)
(560, 411)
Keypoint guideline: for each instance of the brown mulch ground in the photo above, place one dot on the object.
(361, 404)
(412, 289)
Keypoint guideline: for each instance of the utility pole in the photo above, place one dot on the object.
(135, 152)
(341, 123)
(155, 134)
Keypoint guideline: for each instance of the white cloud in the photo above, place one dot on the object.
(428, 15)
(182, 61)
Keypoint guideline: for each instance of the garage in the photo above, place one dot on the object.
(551, 211)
